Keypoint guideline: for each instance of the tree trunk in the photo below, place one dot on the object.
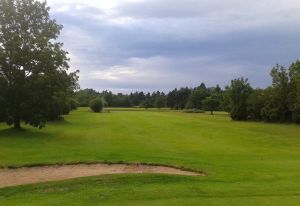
(211, 112)
(17, 125)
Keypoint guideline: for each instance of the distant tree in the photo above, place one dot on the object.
(181, 97)
(294, 93)
(2, 100)
(196, 98)
(142, 97)
(109, 98)
(97, 104)
(239, 91)
(147, 104)
(217, 92)
(202, 87)
(134, 98)
(269, 111)
(125, 101)
(33, 66)
(282, 99)
(218, 89)
(276, 101)
(83, 97)
(255, 103)
(211, 104)
(226, 101)
(160, 102)
(171, 99)
(280, 84)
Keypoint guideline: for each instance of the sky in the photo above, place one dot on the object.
(148, 45)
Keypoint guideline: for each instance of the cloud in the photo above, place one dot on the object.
(114, 73)
(161, 73)
(125, 45)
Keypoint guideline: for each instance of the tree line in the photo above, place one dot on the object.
(279, 102)
(198, 98)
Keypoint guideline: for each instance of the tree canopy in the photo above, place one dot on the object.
(211, 103)
(239, 91)
(34, 78)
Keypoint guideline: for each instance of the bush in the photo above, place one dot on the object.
(73, 104)
(97, 104)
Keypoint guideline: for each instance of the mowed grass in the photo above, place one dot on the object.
(246, 163)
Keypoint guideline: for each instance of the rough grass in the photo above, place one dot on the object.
(246, 163)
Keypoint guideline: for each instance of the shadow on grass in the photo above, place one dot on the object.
(62, 121)
(24, 133)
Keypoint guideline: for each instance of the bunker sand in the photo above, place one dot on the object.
(30, 175)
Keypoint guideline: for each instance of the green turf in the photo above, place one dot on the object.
(247, 163)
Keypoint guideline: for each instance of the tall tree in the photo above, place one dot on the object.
(196, 98)
(33, 65)
(226, 100)
(160, 102)
(278, 96)
(239, 92)
(294, 94)
(171, 99)
(2, 100)
(255, 103)
(181, 97)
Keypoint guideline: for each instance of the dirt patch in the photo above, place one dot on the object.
(29, 175)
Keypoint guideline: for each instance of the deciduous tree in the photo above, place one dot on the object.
(33, 65)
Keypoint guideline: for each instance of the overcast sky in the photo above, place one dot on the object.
(129, 45)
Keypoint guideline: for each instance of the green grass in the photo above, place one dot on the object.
(246, 163)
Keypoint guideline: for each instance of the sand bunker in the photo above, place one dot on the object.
(29, 175)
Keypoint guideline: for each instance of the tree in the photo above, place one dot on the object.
(33, 66)
(2, 101)
(226, 101)
(137, 98)
(196, 98)
(160, 102)
(279, 99)
(211, 104)
(294, 93)
(73, 104)
(255, 103)
(147, 103)
(109, 98)
(269, 111)
(97, 104)
(171, 99)
(181, 97)
(124, 100)
(85, 96)
(239, 91)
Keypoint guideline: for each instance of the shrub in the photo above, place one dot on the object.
(73, 104)
(97, 104)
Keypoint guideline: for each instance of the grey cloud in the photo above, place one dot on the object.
(209, 41)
